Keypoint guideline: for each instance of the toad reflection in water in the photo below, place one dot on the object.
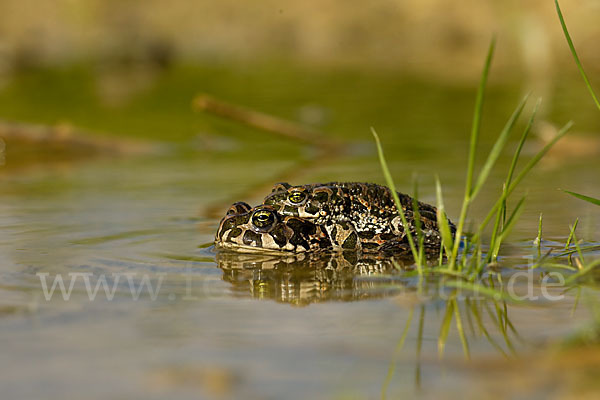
(308, 278)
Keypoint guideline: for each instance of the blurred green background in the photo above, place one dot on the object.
(133, 67)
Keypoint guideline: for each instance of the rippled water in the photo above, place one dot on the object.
(222, 326)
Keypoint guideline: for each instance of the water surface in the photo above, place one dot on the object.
(221, 327)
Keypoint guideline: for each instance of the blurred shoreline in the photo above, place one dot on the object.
(437, 39)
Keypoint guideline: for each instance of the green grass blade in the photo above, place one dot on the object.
(481, 289)
(490, 313)
(500, 218)
(556, 266)
(501, 213)
(476, 125)
(524, 136)
(445, 328)
(397, 350)
(497, 148)
(390, 182)
(469, 317)
(538, 239)
(441, 256)
(498, 321)
(472, 151)
(584, 249)
(509, 225)
(578, 248)
(571, 234)
(542, 260)
(419, 346)
(575, 56)
(505, 315)
(583, 197)
(501, 321)
(449, 272)
(510, 325)
(442, 218)
(522, 175)
(479, 263)
(485, 332)
(582, 272)
(417, 219)
(461, 332)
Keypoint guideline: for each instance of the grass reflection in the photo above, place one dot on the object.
(468, 312)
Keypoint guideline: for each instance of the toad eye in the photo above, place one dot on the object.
(297, 197)
(263, 219)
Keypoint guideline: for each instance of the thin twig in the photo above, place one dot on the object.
(325, 149)
(259, 120)
(68, 136)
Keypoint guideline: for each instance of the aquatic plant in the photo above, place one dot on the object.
(465, 271)
(574, 53)
(473, 261)
(584, 197)
(587, 84)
